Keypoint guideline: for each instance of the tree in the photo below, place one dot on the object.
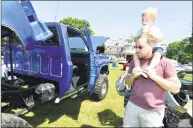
(189, 47)
(3, 43)
(77, 23)
(180, 50)
(172, 49)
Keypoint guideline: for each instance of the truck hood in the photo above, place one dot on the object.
(98, 41)
(20, 17)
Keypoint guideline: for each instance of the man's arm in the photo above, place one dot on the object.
(171, 84)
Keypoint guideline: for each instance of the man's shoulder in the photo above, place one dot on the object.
(166, 61)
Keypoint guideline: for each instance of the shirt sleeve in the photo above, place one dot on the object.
(170, 70)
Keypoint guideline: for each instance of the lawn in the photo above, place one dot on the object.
(188, 77)
(82, 112)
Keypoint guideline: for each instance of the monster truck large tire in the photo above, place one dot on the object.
(101, 88)
(10, 121)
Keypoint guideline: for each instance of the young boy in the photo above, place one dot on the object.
(149, 15)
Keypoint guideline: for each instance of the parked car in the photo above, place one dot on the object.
(122, 60)
(179, 68)
(188, 67)
(126, 64)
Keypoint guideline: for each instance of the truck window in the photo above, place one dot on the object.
(76, 42)
(54, 40)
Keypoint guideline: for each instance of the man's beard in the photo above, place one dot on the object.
(140, 57)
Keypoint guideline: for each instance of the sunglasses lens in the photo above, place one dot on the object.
(138, 47)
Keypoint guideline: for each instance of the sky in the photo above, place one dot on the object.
(116, 19)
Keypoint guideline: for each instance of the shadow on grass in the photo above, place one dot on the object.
(109, 118)
(52, 112)
(87, 126)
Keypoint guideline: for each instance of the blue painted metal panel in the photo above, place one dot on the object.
(93, 68)
(21, 18)
(51, 62)
(45, 61)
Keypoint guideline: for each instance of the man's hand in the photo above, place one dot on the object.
(151, 73)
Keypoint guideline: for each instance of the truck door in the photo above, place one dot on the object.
(93, 68)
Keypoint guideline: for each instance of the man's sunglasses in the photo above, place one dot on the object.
(139, 47)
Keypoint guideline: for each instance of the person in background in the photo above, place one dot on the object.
(114, 63)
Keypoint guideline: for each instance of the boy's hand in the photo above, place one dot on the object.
(136, 72)
(136, 75)
(151, 73)
(136, 69)
(144, 74)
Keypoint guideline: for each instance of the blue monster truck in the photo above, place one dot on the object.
(47, 61)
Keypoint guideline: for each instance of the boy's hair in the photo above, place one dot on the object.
(150, 38)
(151, 11)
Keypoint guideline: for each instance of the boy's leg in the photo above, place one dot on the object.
(158, 54)
(130, 118)
(136, 60)
(150, 118)
(137, 66)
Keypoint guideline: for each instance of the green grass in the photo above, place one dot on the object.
(81, 111)
(188, 77)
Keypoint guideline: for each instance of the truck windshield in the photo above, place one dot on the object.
(76, 42)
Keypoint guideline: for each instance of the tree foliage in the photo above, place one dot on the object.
(77, 23)
(3, 43)
(181, 50)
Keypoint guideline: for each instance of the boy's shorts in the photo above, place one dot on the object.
(158, 48)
